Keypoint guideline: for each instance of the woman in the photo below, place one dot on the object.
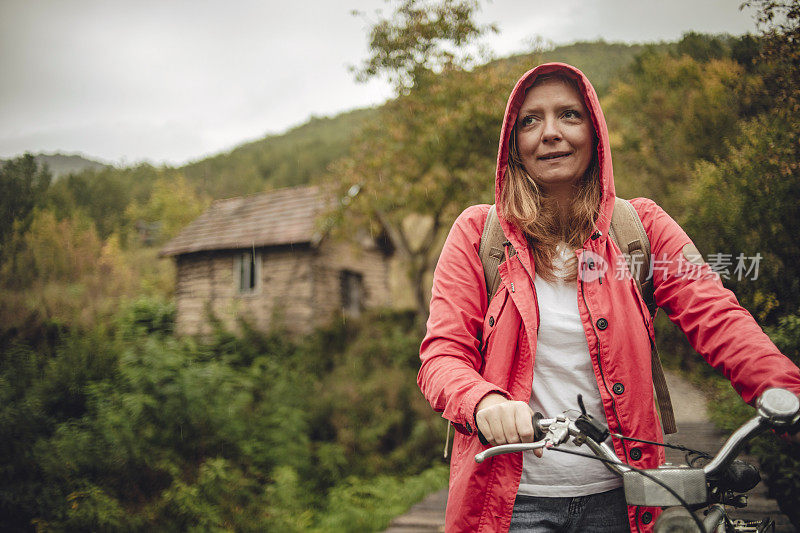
(549, 334)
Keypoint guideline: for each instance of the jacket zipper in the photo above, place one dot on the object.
(600, 366)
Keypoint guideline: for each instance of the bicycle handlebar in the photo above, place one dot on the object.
(558, 430)
(776, 408)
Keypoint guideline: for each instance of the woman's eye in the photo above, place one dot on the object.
(528, 120)
(572, 114)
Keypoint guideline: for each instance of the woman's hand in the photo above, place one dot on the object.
(503, 421)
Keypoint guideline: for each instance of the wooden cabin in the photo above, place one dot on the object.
(267, 259)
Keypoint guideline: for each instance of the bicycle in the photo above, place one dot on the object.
(681, 490)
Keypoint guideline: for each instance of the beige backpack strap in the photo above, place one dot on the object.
(663, 399)
(629, 234)
(491, 251)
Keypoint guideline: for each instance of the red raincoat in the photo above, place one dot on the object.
(473, 348)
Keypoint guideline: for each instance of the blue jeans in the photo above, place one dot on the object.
(605, 512)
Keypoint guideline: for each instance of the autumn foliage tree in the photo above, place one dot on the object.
(672, 110)
(172, 205)
(431, 151)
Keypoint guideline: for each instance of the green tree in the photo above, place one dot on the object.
(422, 37)
(430, 151)
(429, 154)
(103, 195)
(747, 203)
(22, 186)
(670, 112)
(172, 204)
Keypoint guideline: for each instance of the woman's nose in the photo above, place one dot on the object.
(550, 131)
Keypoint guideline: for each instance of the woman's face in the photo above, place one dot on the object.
(555, 137)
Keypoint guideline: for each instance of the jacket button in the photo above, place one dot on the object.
(618, 388)
(491, 321)
(602, 324)
(636, 454)
(647, 517)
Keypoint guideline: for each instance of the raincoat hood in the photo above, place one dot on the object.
(601, 131)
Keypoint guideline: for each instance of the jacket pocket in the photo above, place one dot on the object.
(459, 446)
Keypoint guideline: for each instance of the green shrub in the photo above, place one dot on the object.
(779, 460)
(147, 316)
(360, 505)
(126, 427)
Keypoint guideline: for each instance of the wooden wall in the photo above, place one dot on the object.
(299, 287)
(331, 258)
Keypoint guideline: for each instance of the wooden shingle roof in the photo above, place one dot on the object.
(283, 216)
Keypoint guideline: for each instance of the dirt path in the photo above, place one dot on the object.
(694, 431)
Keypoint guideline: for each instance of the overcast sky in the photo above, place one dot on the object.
(169, 81)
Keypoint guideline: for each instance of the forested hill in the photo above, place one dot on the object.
(299, 156)
(64, 164)
(602, 62)
(304, 153)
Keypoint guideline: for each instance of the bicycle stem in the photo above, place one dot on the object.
(603, 450)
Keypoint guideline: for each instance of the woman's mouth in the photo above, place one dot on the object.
(554, 155)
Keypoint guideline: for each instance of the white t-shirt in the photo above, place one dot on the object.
(563, 369)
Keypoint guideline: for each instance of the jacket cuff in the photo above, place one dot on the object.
(470, 403)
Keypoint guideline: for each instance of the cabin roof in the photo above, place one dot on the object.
(279, 217)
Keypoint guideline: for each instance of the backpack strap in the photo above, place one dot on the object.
(491, 251)
(629, 234)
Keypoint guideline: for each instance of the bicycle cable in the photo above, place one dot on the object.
(689, 451)
(690, 460)
(664, 444)
(641, 472)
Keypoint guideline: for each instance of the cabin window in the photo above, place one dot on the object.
(247, 265)
(352, 285)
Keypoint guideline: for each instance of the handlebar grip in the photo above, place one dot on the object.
(538, 434)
